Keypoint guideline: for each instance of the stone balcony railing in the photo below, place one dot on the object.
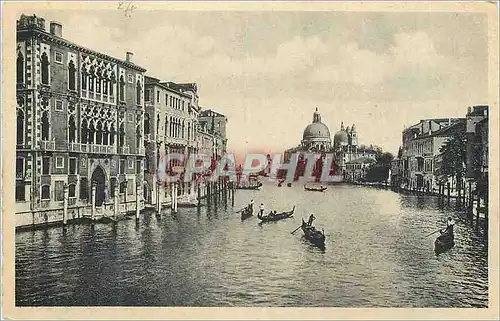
(124, 150)
(48, 145)
(91, 148)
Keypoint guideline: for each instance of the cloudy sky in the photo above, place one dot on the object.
(268, 71)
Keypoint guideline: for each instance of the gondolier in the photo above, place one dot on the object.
(262, 209)
(311, 219)
(450, 223)
(250, 206)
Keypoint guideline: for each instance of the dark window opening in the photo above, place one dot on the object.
(45, 69)
(20, 127)
(72, 75)
(45, 126)
(84, 188)
(46, 166)
(46, 192)
(20, 68)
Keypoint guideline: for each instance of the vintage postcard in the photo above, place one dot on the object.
(249, 160)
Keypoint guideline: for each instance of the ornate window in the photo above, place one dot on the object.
(121, 134)
(20, 127)
(91, 133)
(122, 89)
(138, 136)
(84, 188)
(105, 135)
(105, 84)
(84, 132)
(84, 80)
(72, 76)
(98, 139)
(45, 69)
(91, 82)
(20, 68)
(45, 126)
(112, 134)
(72, 190)
(71, 129)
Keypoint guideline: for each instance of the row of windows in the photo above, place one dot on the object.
(45, 69)
(171, 101)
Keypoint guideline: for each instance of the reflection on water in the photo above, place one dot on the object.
(377, 255)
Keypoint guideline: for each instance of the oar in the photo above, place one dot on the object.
(296, 229)
(433, 233)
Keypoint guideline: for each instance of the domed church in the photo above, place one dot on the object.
(349, 157)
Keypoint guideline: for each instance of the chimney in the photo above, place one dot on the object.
(129, 56)
(449, 121)
(56, 29)
(469, 109)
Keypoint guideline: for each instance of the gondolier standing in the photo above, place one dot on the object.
(311, 219)
(262, 209)
(250, 206)
(449, 226)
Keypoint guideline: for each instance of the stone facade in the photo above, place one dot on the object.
(79, 121)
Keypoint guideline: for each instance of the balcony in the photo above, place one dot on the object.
(75, 147)
(48, 145)
(124, 150)
(89, 148)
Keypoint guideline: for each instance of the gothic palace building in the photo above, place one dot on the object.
(80, 116)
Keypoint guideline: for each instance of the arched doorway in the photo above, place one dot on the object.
(99, 179)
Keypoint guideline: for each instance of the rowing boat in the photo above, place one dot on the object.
(444, 242)
(246, 213)
(316, 189)
(277, 217)
(313, 235)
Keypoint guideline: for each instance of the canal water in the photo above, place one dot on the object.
(377, 255)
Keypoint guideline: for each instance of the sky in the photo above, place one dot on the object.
(269, 70)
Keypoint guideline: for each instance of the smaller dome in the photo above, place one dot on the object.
(341, 138)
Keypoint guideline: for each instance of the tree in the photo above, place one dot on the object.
(453, 157)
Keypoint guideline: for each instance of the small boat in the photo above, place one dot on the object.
(313, 235)
(444, 242)
(246, 213)
(289, 184)
(250, 187)
(316, 189)
(277, 217)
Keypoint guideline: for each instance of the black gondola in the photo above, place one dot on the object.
(316, 189)
(277, 217)
(246, 213)
(313, 235)
(444, 242)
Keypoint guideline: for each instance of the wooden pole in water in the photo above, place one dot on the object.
(92, 210)
(65, 203)
(478, 210)
(116, 205)
(137, 201)
(158, 199)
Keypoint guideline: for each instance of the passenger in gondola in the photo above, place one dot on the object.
(311, 219)
(262, 209)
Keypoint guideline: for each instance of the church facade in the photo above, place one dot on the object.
(350, 158)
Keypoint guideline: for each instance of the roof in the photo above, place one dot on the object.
(478, 110)
(165, 85)
(210, 113)
(56, 39)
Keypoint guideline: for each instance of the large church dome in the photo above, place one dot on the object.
(316, 130)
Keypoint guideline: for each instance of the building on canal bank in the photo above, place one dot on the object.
(170, 126)
(212, 126)
(80, 138)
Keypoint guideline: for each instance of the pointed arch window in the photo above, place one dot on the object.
(45, 69)
(99, 133)
(121, 134)
(105, 135)
(84, 80)
(138, 90)
(45, 126)
(20, 68)
(98, 82)
(20, 127)
(91, 82)
(84, 132)
(105, 84)
(112, 133)
(166, 125)
(72, 129)
(111, 86)
(91, 133)
(122, 89)
(72, 75)
(157, 124)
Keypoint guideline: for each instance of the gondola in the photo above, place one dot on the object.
(314, 236)
(444, 242)
(250, 187)
(277, 217)
(246, 213)
(316, 189)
